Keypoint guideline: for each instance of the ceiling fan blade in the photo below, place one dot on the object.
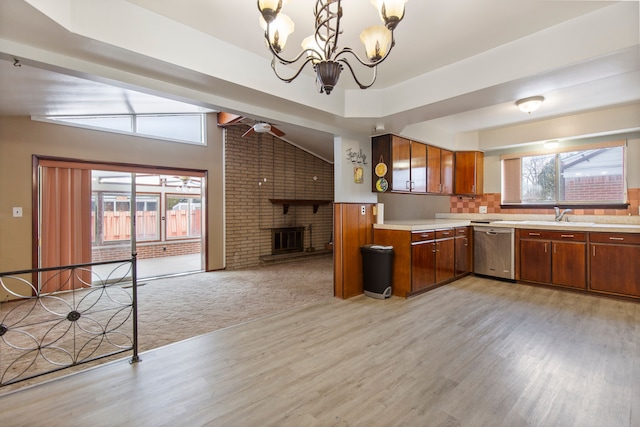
(226, 119)
(276, 132)
(249, 132)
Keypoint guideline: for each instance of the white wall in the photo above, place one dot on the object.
(346, 190)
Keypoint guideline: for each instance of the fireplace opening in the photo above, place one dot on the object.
(287, 240)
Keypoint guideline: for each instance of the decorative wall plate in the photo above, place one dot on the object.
(381, 169)
(382, 185)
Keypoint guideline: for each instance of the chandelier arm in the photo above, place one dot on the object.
(289, 79)
(353, 74)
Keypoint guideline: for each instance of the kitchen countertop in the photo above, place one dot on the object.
(422, 224)
(439, 223)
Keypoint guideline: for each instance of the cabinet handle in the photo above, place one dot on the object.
(466, 242)
(534, 234)
(545, 248)
(594, 250)
(445, 233)
(616, 238)
(567, 236)
(555, 248)
(473, 188)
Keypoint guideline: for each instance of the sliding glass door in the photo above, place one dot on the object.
(87, 213)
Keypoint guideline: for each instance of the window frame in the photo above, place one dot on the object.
(60, 120)
(508, 161)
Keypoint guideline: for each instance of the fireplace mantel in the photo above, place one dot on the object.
(308, 202)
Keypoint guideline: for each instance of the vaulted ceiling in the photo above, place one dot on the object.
(457, 67)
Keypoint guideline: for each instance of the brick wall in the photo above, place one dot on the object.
(145, 250)
(461, 204)
(593, 187)
(261, 167)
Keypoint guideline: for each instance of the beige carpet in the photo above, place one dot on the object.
(177, 308)
(173, 309)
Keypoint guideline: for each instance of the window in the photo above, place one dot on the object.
(593, 175)
(183, 216)
(188, 128)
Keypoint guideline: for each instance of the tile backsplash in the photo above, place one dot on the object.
(463, 204)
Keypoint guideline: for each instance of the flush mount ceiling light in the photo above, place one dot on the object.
(321, 48)
(531, 104)
(550, 145)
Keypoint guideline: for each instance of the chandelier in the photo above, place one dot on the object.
(321, 48)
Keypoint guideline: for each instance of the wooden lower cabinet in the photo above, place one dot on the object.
(445, 256)
(422, 259)
(553, 258)
(535, 261)
(423, 265)
(615, 263)
(569, 264)
(463, 251)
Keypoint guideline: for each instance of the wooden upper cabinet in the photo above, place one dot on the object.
(446, 175)
(406, 162)
(400, 164)
(439, 170)
(418, 167)
(469, 172)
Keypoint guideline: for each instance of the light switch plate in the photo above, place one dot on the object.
(17, 212)
(483, 209)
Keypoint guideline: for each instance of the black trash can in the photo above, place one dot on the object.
(377, 269)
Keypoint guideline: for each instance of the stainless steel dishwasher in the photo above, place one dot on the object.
(493, 252)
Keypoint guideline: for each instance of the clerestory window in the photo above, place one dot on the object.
(185, 128)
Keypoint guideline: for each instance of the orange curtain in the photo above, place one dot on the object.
(65, 226)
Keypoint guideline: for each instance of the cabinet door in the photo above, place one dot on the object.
(615, 269)
(418, 167)
(423, 265)
(445, 260)
(568, 263)
(468, 174)
(433, 170)
(463, 255)
(400, 164)
(535, 261)
(446, 171)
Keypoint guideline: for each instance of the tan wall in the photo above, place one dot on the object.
(21, 138)
(261, 167)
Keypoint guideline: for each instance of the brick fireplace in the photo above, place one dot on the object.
(285, 240)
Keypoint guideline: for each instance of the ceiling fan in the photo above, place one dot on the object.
(228, 119)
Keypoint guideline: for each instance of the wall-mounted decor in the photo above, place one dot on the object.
(358, 175)
(381, 170)
(356, 157)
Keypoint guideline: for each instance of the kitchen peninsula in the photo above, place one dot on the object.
(585, 255)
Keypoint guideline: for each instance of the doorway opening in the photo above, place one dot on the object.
(92, 217)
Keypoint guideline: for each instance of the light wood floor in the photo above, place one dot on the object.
(474, 353)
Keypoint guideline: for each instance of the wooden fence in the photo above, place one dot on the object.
(117, 225)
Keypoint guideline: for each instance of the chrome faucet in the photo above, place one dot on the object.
(560, 215)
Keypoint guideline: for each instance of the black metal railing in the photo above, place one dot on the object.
(60, 317)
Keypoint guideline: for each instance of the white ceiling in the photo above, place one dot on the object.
(458, 66)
